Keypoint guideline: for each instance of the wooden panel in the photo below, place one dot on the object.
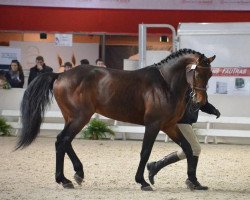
(7, 36)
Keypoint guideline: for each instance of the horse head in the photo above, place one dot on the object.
(198, 74)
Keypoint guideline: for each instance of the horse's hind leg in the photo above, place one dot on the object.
(78, 167)
(63, 145)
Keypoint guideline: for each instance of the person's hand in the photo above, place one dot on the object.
(217, 113)
(39, 67)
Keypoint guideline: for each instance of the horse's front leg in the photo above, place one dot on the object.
(151, 132)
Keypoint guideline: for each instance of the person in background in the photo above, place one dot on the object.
(67, 66)
(38, 69)
(100, 63)
(84, 62)
(3, 81)
(15, 75)
(185, 126)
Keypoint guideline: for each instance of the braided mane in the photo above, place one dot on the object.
(179, 53)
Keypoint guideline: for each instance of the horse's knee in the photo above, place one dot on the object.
(78, 167)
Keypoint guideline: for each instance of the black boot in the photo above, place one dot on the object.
(195, 185)
(155, 167)
(192, 182)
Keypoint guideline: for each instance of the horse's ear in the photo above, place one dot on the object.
(59, 60)
(211, 59)
(73, 59)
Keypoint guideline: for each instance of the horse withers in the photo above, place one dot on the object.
(153, 96)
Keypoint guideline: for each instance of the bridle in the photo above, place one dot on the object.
(193, 68)
(192, 94)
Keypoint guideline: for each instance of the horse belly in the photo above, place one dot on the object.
(122, 113)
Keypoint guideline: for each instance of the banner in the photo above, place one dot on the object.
(8, 54)
(238, 5)
(230, 81)
(63, 40)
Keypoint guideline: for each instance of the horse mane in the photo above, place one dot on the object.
(178, 54)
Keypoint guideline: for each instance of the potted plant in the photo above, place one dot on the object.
(96, 130)
(5, 129)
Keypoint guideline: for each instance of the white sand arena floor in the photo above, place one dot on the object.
(110, 168)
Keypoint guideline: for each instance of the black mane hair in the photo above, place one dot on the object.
(179, 53)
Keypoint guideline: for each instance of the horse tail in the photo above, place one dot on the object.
(35, 100)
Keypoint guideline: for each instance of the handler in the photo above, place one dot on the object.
(185, 125)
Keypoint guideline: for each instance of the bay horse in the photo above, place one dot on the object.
(153, 96)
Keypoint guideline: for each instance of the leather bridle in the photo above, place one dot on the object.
(194, 68)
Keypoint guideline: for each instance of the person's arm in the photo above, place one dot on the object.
(210, 109)
(21, 76)
(31, 76)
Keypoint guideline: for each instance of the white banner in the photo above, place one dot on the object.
(63, 40)
(230, 81)
(8, 54)
(239, 5)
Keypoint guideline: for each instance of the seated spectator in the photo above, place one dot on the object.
(84, 62)
(3, 81)
(67, 66)
(15, 75)
(100, 63)
(38, 69)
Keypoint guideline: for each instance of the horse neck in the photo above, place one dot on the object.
(174, 73)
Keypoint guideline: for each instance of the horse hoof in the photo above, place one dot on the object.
(147, 188)
(68, 185)
(78, 179)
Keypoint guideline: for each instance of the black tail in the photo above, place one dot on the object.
(35, 100)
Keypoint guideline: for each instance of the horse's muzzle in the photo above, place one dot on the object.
(199, 99)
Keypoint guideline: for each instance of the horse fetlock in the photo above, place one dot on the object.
(151, 172)
(144, 184)
(59, 179)
(78, 168)
(138, 179)
(65, 182)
